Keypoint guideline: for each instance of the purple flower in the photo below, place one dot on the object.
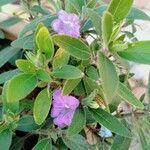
(63, 108)
(67, 23)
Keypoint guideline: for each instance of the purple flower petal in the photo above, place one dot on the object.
(63, 108)
(64, 119)
(67, 23)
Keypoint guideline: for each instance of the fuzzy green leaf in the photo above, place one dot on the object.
(110, 122)
(78, 122)
(73, 46)
(20, 86)
(67, 72)
(44, 144)
(120, 9)
(42, 106)
(138, 52)
(108, 76)
(44, 42)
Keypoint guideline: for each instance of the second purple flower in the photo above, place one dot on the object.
(63, 108)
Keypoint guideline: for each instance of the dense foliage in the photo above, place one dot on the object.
(61, 89)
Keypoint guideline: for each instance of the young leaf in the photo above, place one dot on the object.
(110, 122)
(44, 42)
(44, 144)
(121, 143)
(27, 124)
(42, 75)
(70, 85)
(73, 46)
(78, 122)
(120, 9)
(138, 52)
(42, 106)
(108, 76)
(128, 96)
(75, 142)
(25, 66)
(20, 86)
(60, 59)
(67, 72)
(107, 27)
(5, 139)
(4, 100)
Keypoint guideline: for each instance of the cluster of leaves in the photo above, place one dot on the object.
(90, 71)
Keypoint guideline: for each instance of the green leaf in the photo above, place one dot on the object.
(91, 3)
(2, 35)
(67, 72)
(73, 46)
(4, 100)
(138, 14)
(8, 75)
(107, 27)
(42, 106)
(44, 42)
(6, 54)
(75, 142)
(96, 20)
(70, 85)
(23, 42)
(120, 9)
(46, 20)
(121, 143)
(128, 96)
(110, 122)
(20, 86)
(148, 92)
(79, 89)
(134, 14)
(39, 26)
(25, 66)
(78, 122)
(92, 72)
(91, 84)
(9, 22)
(4, 2)
(44, 144)
(27, 124)
(87, 101)
(5, 139)
(74, 6)
(40, 9)
(43, 75)
(108, 76)
(143, 139)
(60, 59)
(138, 52)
